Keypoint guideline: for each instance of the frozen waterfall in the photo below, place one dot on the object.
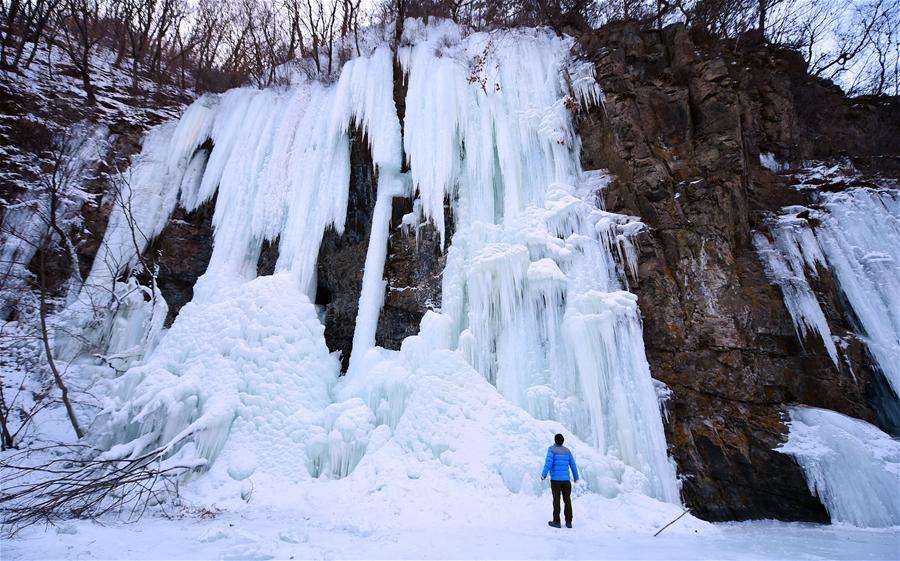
(534, 290)
(857, 237)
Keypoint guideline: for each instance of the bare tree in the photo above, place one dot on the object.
(80, 482)
(24, 22)
(79, 22)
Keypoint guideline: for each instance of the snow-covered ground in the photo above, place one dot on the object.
(514, 529)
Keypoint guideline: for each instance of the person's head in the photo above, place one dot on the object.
(559, 439)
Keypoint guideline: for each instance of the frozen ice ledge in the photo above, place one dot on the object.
(852, 466)
(536, 333)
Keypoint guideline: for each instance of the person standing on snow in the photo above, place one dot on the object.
(559, 461)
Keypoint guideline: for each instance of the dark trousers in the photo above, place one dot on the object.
(563, 488)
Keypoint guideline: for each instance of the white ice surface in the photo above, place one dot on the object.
(851, 465)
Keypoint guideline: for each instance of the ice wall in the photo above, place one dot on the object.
(535, 268)
(853, 467)
(856, 235)
(533, 300)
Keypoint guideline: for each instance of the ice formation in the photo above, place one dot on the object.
(857, 237)
(535, 335)
(852, 466)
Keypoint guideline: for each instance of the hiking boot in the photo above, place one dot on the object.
(554, 524)
(568, 524)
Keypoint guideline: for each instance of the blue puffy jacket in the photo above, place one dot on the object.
(559, 461)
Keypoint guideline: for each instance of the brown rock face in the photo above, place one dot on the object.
(413, 271)
(181, 253)
(682, 129)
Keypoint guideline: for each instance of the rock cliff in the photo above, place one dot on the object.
(682, 129)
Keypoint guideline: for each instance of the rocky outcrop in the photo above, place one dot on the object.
(181, 253)
(413, 272)
(683, 127)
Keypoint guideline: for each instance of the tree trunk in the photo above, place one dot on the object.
(45, 338)
(763, 7)
(6, 442)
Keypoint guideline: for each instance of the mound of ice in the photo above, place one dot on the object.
(243, 375)
(437, 415)
(852, 466)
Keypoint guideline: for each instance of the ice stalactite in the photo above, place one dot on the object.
(369, 88)
(852, 466)
(371, 296)
(856, 235)
(788, 270)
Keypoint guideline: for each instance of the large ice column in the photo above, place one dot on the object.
(366, 90)
(489, 125)
(317, 171)
(853, 467)
(605, 340)
(371, 297)
(856, 235)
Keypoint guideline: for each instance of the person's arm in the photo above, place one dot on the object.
(573, 467)
(548, 463)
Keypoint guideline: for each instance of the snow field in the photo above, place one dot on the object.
(321, 526)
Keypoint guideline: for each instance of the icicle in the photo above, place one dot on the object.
(857, 237)
(371, 295)
(860, 238)
(799, 298)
